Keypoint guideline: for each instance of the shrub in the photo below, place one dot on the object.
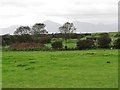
(57, 45)
(85, 44)
(117, 43)
(104, 41)
(117, 35)
(7, 39)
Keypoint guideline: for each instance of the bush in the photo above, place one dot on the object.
(117, 35)
(104, 41)
(117, 43)
(85, 44)
(7, 39)
(57, 45)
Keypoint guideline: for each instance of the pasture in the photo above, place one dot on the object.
(0, 68)
(60, 69)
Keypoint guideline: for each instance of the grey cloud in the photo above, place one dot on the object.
(12, 3)
(97, 10)
(11, 16)
(19, 3)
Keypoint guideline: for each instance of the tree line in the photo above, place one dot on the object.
(26, 36)
(39, 28)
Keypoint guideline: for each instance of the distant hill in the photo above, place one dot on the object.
(8, 30)
(89, 27)
(52, 27)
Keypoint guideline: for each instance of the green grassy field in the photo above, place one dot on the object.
(0, 69)
(60, 69)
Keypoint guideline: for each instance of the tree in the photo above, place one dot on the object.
(67, 28)
(38, 28)
(104, 41)
(22, 30)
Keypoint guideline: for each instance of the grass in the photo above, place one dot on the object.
(0, 69)
(60, 69)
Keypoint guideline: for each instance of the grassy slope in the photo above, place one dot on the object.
(67, 69)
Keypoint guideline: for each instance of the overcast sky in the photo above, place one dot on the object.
(28, 12)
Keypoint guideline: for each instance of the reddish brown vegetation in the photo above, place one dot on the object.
(26, 45)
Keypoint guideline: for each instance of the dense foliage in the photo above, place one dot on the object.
(104, 41)
(57, 45)
(70, 41)
(85, 44)
(117, 43)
